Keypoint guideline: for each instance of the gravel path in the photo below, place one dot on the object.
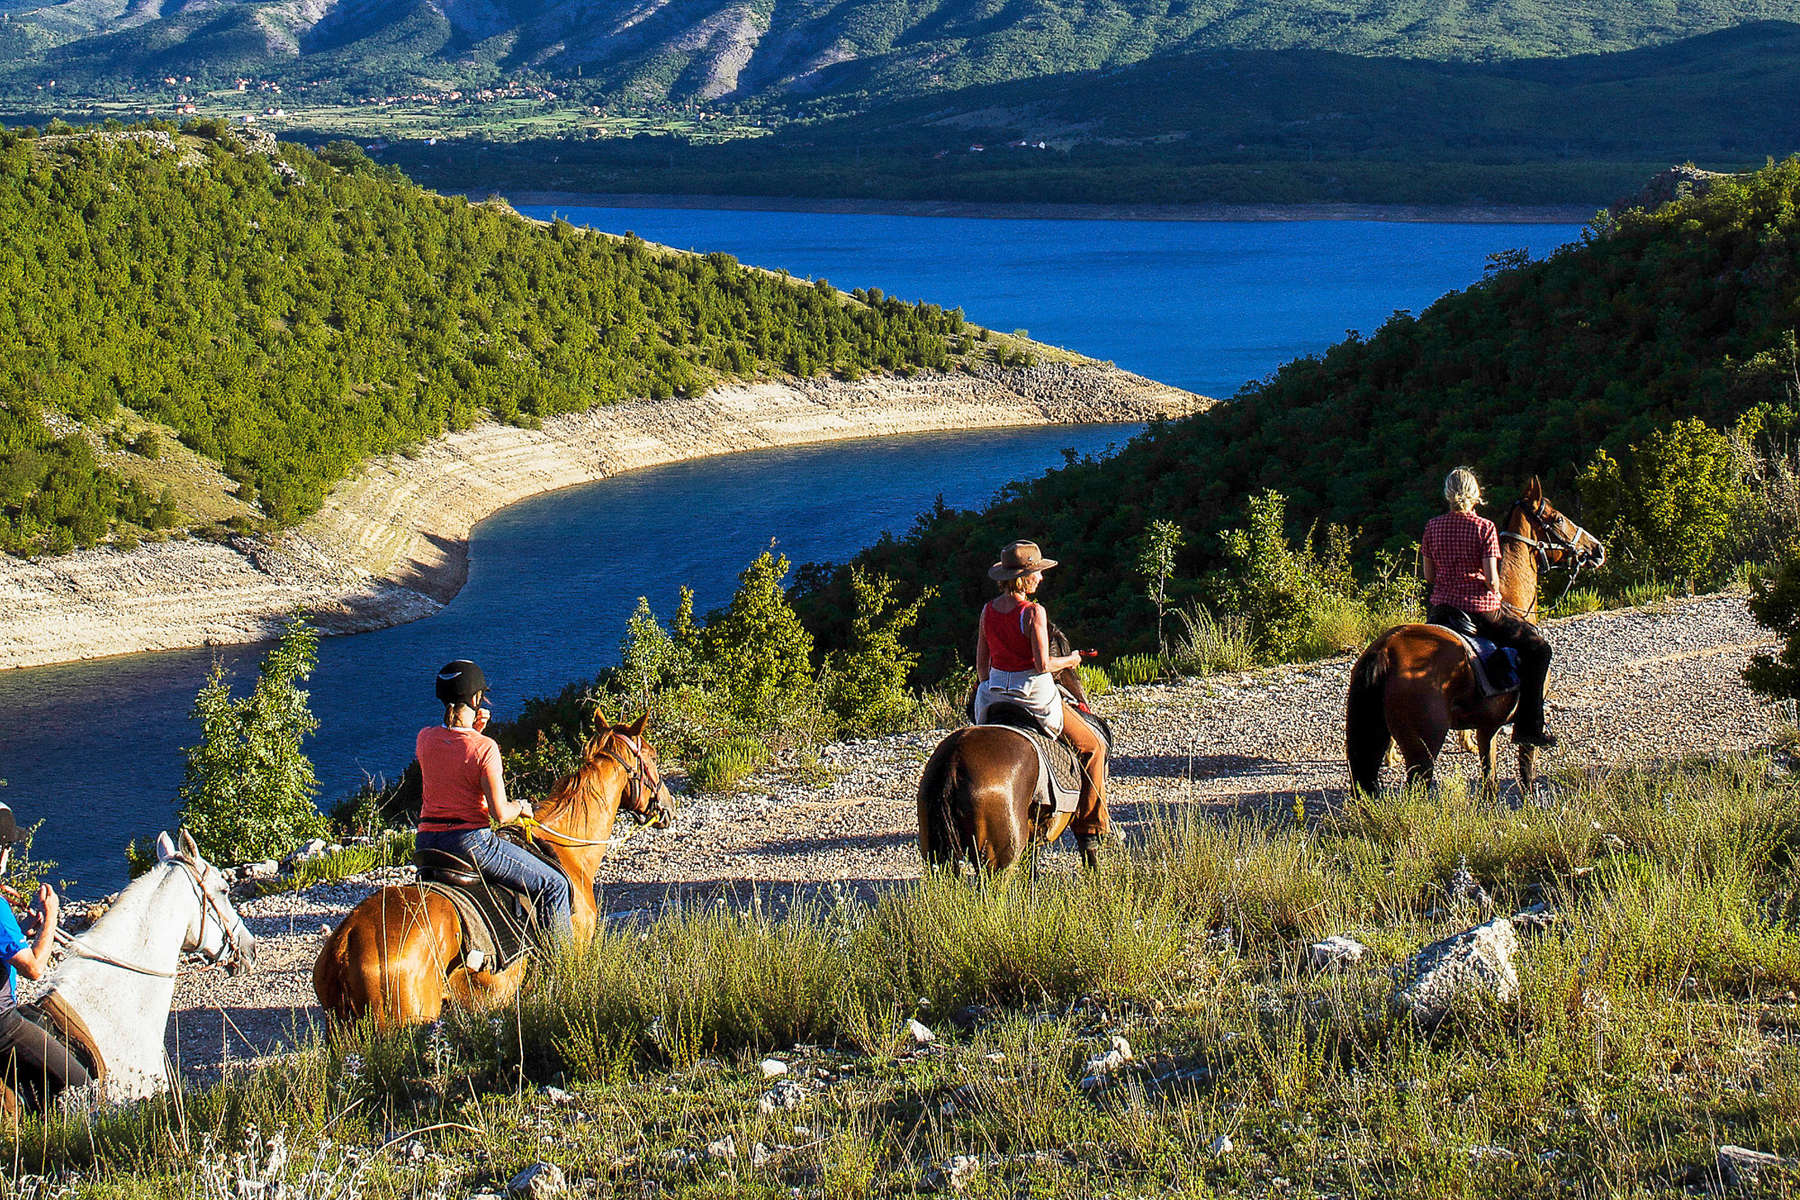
(1656, 683)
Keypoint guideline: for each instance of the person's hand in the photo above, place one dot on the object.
(525, 809)
(47, 903)
(482, 717)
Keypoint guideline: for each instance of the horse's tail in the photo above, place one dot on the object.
(1366, 735)
(941, 842)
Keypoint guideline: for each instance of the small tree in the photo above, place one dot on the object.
(647, 655)
(869, 692)
(1156, 563)
(1775, 603)
(1669, 504)
(248, 790)
(755, 653)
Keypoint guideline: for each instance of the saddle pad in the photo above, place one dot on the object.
(52, 1011)
(490, 922)
(1496, 667)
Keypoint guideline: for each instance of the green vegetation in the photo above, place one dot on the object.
(1654, 1023)
(1658, 317)
(289, 316)
(248, 789)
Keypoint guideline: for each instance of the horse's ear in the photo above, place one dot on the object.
(637, 727)
(165, 849)
(1534, 491)
(188, 846)
(600, 720)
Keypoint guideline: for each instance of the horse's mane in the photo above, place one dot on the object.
(579, 794)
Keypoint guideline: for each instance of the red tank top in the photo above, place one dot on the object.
(1009, 646)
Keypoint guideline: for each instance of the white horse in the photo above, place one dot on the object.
(119, 976)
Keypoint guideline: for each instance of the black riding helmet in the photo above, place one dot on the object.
(460, 682)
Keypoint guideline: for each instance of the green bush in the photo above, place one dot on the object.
(1775, 603)
(248, 789)
(1134, 669)
(1209, 644)
(1095, 681)
(1668, 505)
(754, 654)
(868, 692)
(724, 765)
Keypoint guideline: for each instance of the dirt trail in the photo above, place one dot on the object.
(1639, 685)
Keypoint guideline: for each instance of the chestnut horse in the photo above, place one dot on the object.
(975, 797)
(1415, 683)
(395, 957)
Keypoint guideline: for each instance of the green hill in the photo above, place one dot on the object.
(286, 315)
(1241, 126)
(1686, 311)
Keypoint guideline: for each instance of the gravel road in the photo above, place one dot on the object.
(1638, 685)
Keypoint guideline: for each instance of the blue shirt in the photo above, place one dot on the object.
(12, 940)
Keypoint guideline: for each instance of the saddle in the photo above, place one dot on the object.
(1059, 767)
(1496, 667)
(50, 1011)
(498, 921)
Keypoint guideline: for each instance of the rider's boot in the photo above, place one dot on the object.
(1541, 737)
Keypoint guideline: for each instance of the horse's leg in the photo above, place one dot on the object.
(1490, 783)
(1419, 726)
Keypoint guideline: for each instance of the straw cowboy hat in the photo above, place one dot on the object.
(1020, 558)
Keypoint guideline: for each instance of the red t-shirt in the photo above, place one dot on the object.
(452, 765)
(1009, 646)
(1459, 545)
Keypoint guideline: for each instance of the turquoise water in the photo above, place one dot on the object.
(96, 747)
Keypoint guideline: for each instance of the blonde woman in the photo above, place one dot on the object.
(1461, 554)
(1013, 665)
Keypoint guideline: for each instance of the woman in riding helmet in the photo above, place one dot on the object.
(1013, 665)
(459, 767)
(1461, 553)
(34, 1062)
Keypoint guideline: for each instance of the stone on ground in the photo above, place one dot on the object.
(1336, 953)
(539, 1181)
(1739, 1166)
(1475, 962)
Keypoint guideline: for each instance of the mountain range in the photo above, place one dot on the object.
(804, 53)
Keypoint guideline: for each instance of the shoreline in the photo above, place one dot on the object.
(390, 544)
(1457, 214)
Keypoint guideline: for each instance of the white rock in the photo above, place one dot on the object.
(920, 1035)
(786, 1094)
(723, 1150)
(1739, 1165)
(1221, 1146)
(268, 868)
(760, 1155)
(953, 1174)
(1477, 961)
(1336, 953)
(539, 1181)
(771, 1067)
(556, 1095)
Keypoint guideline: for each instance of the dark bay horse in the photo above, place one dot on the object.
(976, 795)
(1415, 683)
(396, 957)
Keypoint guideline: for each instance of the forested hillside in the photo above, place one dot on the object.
(1688, 311)
(287, 315)
(1230, 125)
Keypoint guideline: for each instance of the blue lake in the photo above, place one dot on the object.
(96, 747)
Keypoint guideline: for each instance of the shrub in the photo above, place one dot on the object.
(1668, 505)
(1775, 603)
(248, 789)
(1156, 563)
(1209, 644)
(868, 689)
(1134, 669)
(1094, 680)
(754, 653)
(721, 767)
(1282, 590)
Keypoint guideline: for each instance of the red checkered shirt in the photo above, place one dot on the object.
(1459, 545)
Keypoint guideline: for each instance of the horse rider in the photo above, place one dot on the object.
(34, 1062)
(1461, 554)
(1013, 665)
(459, 768)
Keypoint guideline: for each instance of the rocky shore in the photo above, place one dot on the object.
(390, 545)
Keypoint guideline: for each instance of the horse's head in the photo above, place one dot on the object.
(1561, 541)
(644, 795)
(216, 933)
(1068, 677)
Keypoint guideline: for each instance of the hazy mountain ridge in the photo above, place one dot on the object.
(743, 49)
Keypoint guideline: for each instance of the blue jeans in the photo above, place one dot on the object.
(506, 863)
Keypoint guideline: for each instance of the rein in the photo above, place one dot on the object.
(75, 947)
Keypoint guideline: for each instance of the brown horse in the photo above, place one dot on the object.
(1415, 683)
(396, 956)
(976, 795)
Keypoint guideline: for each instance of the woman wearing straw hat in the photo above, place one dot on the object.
(1013, 665)
(34, 1062)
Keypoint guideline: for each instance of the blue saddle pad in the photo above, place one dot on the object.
(1501, 663)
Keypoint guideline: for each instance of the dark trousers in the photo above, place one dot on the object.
(498, 859)
(34, 1062)
(1534, 659)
